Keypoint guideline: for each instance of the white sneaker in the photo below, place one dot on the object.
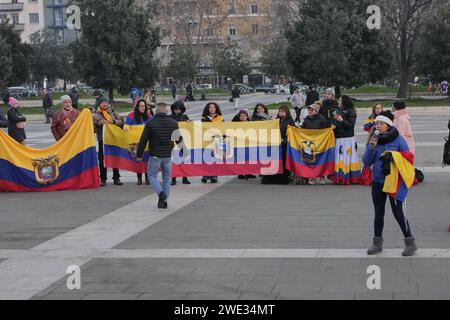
(322, 181)
(312, 182)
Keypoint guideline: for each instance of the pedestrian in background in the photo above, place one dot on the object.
(47, 104)
(16, 122)
(298, 100)
(389, 139)
(3, 120)
(236, 95)
(64, 118)
(312, 95)
(173, 89)
(74, 96)
(98, 94)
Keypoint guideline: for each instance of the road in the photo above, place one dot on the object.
(235, 240)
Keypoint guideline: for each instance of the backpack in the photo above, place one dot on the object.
(446, 160)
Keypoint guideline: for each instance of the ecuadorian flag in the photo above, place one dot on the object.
(70, 164)
(310, 153)
(209, 149)
(120, 148)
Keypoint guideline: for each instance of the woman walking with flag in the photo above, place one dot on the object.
(387, 151)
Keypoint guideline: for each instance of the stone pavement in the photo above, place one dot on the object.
(234, 240)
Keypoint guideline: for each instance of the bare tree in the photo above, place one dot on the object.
(406, 19)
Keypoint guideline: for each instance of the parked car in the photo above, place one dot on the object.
(204, 86)
(281, 88)
(244, 88)
(265, 89)
(32, 93)
(19, 92)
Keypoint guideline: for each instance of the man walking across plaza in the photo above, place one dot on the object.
(64, 118)
(159, 134)
(47, 104)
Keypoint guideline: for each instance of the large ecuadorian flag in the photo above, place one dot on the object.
(70, 164)
(208, 149)
(310, 153)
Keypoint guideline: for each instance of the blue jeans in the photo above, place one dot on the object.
(154, 164)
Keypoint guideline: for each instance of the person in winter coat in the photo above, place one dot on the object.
(98, 94)
(261, 113)
(329, 106)
(312, 96)
(389, 139)
(64, 118)
(139, 117)
(243, 116)
(298, 100)
(286, 120)
(74, 96)
(189, 93)
(3, 120)
(47, 104)
(212, 113)
(16, 122)
(103, 115)
(347, 167)
(160, 134)
(314, 121)
(236, 94)
(179, 115)
(403, 124)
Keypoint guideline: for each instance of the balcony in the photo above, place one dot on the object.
(19, 27)
(11, 7)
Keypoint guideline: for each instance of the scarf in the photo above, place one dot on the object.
(388, 137)
(216, 118)
(106, 115)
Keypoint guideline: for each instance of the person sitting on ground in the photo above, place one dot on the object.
(178, 114)
(139, 117)
(64, 118)
(212, 113)
(16, 122)
(261, 113)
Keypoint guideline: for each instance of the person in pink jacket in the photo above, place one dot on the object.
(403, 124)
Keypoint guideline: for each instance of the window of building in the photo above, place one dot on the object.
(33, 1)
(210, 32)
(231, 7)
(59, 38)
(14, 1)
(59, 17)
(254, 8)
(255, 28)
(232, 30)
(15, 18)
(34, 38)
(34, 18)
(3, 18)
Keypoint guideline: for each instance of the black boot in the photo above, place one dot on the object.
(162, 202)
(174, 182)
(117, 182)
(147, 180)
(186, 181)
(139, 182)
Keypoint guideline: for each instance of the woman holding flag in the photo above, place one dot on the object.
(212, 113)
(387, 151)
(139, 117)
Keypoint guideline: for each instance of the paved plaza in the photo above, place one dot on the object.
(237, 240)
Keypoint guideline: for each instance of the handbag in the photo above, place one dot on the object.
(231, 100)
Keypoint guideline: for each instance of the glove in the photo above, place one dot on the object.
(386, 163)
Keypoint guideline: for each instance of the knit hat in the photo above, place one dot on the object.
(243, 112)
(314, 107)
(97, 93)
(12, 101)
(102, 99)
(66, 97)
(386, 117)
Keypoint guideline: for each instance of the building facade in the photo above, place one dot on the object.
(55, 19)
(26, 16)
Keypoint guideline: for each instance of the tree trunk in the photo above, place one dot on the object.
(404, 84)
(111, 93)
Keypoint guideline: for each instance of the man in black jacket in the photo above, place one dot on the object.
(159, 134)
(312, 96)
(47, 104)
(179, 115)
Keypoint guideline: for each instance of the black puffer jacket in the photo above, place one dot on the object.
(311, 97)
(284, 124)
(158, 135)
(346, 128)
(316, 122)
(14, 117)
(327, 110)
(3, 121)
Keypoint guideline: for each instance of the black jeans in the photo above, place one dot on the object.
(103, 170)
(379, 201)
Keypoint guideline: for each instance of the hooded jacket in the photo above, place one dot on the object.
(403, 125)
(14, 117)
(182, 117)
(389, 141)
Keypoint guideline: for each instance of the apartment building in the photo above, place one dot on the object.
(55, 19)
(26, 16)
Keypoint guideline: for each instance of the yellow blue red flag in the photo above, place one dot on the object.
(310, 153)
(70, 164)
